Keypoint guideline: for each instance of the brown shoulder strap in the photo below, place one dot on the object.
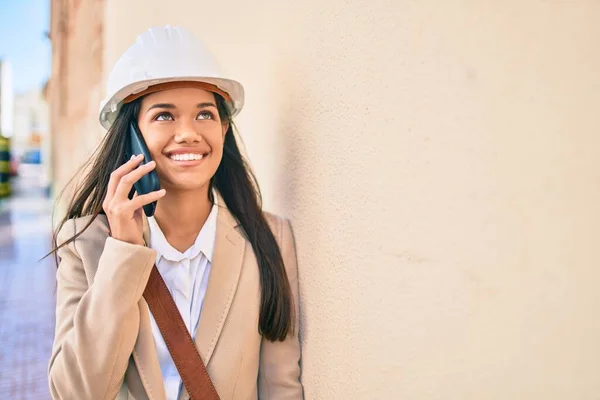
(179, 342)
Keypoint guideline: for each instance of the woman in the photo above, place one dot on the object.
(229, 267)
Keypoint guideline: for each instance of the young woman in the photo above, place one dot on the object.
(229, 266)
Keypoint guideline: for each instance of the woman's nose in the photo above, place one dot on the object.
(187, 133)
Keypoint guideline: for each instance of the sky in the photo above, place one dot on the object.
(23, 41)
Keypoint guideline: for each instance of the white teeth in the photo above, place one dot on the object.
(186, 157)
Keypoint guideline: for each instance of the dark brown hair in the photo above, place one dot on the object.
(240, 191)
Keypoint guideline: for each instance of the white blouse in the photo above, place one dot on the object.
(186, 276)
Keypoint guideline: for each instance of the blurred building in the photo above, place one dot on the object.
(31, 121)
(31, 142)
(74, 89)
(6, 127)
(6, 99)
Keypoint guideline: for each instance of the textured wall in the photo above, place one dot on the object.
(440, 162)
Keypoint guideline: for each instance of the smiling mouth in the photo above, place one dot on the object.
(188, 156)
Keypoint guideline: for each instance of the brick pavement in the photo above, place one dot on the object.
(27, 294)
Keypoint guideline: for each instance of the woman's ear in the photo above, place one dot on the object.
(225, 126)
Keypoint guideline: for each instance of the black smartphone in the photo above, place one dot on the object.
(149, 182)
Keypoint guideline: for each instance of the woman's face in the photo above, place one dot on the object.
(184, 135)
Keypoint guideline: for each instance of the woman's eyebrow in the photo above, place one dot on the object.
(162, 105)
(172, 106)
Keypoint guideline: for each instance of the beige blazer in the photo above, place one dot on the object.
(104, 348)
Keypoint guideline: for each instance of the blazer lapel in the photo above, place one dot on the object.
(144, 351)
(226, 265)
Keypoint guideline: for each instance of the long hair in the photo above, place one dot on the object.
(240, 190)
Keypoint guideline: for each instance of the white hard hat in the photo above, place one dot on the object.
(161, 55)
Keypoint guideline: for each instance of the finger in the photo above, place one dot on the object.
(140, 201)
(127, 181)
(118, 173)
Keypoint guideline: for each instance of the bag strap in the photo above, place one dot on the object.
(178, 340)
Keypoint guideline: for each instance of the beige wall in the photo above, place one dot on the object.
(440, 162)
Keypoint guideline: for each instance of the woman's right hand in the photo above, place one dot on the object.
(124, 215)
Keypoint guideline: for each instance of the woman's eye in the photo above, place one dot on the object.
(205, 115)
(163, 117)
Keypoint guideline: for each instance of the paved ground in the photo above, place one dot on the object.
(27, 288)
